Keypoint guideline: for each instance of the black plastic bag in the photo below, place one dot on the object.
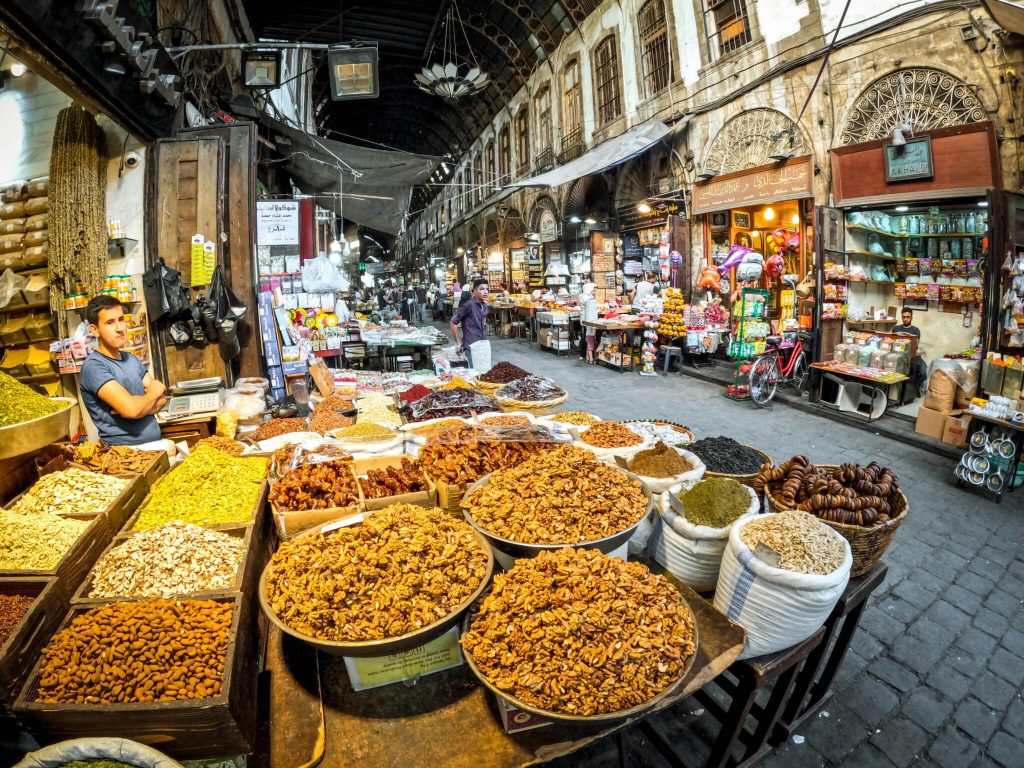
(166, 297)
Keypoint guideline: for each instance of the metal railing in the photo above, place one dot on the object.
(545, 160)
(572, 145)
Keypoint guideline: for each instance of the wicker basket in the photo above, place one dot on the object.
(681, 428)
(745, 479)
(486, 386)
(510, 404)
(867, 544)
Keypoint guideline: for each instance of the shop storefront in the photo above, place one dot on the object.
(913, 229)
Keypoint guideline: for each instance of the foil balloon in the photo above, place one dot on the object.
(675, 259)
(735, 258)
(775, 265)
(710, 279)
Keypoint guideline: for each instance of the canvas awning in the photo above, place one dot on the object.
(377, 197)
(606, 155)
(1008, 13)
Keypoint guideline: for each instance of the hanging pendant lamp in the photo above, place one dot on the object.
(448, 77)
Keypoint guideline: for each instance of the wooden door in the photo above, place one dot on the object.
(186, 190)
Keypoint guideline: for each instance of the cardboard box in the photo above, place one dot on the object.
(955, 431)
(931, 423)
(427, 498)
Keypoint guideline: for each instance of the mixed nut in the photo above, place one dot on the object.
(71, 491)
(34, 541)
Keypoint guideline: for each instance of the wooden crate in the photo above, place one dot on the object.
(79, 559)
(449, 496)
(427, 498)
(291, 522)
(244, 532)
(257, 506)
(190, 729)
(19, 652)
(152, 471)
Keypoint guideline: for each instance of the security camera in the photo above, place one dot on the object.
(132, 160)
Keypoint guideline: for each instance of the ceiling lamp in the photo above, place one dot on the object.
(769, 214)
(448, 77)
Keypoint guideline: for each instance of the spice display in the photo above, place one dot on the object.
(150, 650)
(36, 542)
(505, 421)
(452, 402)
(376, 409)
(19, 403)
(456, 382)
(530, 389)
(609, 434)
(414, 393)
(725, 455)
(848, 494)
(503, 373)
(578, 632)
(397, 571)
(208, 488)
(277, 427)
(12, 609)
(659, 461)
(803, 544)
(112, 459)
(576, 418)
(324, 420)
(439, 426)
(174, 559)
(564, 496)
(465, 456)
(670, 434)
(715, 502)
(365, 430)
(320, 485)
(226, 444)
(71, 491)
(394, 481)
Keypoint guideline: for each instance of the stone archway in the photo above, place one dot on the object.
(922, 96)
(750, 140)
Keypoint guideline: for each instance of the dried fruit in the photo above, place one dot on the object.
(503, 373)
(12, 609)
(576, 418)
(609, 434)
(319, 485)
(394, 481)
(465, 456)
(112, 459)
(221, 443)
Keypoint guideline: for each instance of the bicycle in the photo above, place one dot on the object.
(783, 362)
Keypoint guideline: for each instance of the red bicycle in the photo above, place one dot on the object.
(783, 362)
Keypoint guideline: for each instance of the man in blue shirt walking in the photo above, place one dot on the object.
(472, 317)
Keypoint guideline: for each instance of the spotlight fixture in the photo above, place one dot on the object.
(353, 70)
(782, 154)
(643, 208)
(899, 138)
(796, 218)
(983, 203)
(575, 219)
(261, 69)
(590, 221)
(18, 69)
(460, 251)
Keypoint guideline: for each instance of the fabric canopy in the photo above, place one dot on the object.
(1009, 14)
(377, 198)
(602, 157)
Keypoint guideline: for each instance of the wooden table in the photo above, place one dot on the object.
(445, 720)
(191, 429)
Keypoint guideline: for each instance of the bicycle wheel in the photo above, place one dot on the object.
(800, 373)
(764, 377)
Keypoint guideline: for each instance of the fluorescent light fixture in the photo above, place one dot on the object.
(261, 69)
(902, 208)
(353, 72)
(983, 203)
(18, 69)
(643, 208)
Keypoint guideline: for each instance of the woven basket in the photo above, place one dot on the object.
(867, 544)
(745, 479)
(510, 404)
(681, 428)
(485, 386)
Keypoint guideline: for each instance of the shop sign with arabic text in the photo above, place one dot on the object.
(759, 185)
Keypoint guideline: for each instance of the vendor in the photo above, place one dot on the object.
(643, 289)
(907, 327)
(588, 314)
(120, 395)
(472, 318)
(918, 369)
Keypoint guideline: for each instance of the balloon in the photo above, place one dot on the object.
(775, 265)
(711, 279)
(734, 258)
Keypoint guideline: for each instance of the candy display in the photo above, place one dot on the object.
(659, 461)
(397, 571)
(609, 434)
(319, 485)
(173, 559)
(111, 459)
(726, 456)
(715, 502)
(465, 456)
(394, 481)
(800, 543)
(150, 650)
(18, 403)
(503, 373)
(553, 633)
(564, 496)
(71, 491)
(208, 488)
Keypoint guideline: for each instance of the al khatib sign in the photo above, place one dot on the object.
(138, 49)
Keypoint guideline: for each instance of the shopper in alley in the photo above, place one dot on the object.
(470, 322)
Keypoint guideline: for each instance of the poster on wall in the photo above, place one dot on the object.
(277, 222)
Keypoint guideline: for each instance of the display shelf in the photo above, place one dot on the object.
(872, 322)
(879, 282)
(121, 245)
(880, 256)
(862, 228)
(24, 308)
(21, 344)
(29, 267)
(50, 376)
(872, 230)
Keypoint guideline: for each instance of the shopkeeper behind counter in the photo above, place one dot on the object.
(120, 395)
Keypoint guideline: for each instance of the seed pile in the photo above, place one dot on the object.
(277, 427)
(71, 491)
(726, 456)
(36, 542)
(608, 434)
(174, 559)
(503, 373)
(150, 650)
(397, 571)
(208, 488)
(576, 418)
(365, 430)
(376, 409)
(579, 632)
(456, 382)
(112, 459)
(19, 403)
(565, 496)
(225, 444)
(659, 461)
(803, 544)
(12, 609)
(715, 502)
(439, 426)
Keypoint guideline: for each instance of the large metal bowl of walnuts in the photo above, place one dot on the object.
(575, 635)
(376, 583)
(560, 498)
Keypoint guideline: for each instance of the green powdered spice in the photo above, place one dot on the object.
(19, 403)
(97, 764)
(715, 502)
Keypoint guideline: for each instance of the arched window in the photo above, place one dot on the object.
(542, 108)
(606, 81)
(478, 176)
(655, 60)
(523, 140)
(488, 180)
(504, 155)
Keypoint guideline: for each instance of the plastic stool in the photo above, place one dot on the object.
(670, 353)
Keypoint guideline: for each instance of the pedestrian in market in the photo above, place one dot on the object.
(471, 319)
(588, 314)
(421, 303)
(642, 290)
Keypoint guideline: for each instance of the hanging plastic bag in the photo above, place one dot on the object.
(10, 284)
(320, 276)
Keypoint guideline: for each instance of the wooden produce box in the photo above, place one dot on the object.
(19, 652)
(427, 498)
(129, 527)
(187, 729)
(244, 532)
(152, 471)
(78, 560)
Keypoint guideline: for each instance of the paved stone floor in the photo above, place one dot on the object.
(934, 675)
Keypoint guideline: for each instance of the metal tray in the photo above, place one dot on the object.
(19, 439)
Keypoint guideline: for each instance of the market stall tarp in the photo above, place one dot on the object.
(606, 155)
(378, 198)
(1009, 14)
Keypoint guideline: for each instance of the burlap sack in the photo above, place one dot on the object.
(941, 392)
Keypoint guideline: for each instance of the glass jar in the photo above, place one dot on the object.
(839, 352)
(971, 223)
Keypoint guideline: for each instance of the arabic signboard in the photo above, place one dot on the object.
(912, 160)
(630, 218)
(767, 184)
(277, 222)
